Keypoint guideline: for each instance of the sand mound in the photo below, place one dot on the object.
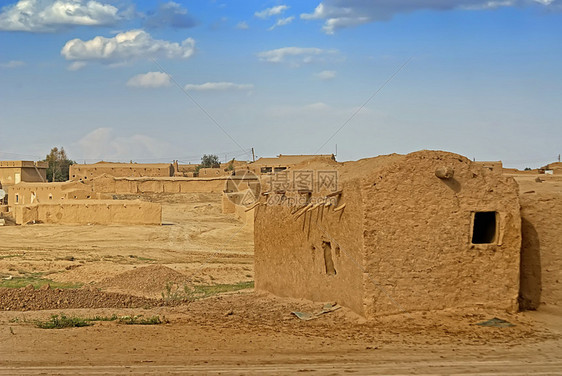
(146, 281)
(30, 299)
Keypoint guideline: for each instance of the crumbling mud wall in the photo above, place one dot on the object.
(232, 204)
(89, 171)
(421, 250)
(429, 230)
(209, 172)
(79, 212)
(314, 253)
(541, 250)
(108, 184)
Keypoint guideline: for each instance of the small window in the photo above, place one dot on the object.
(17, 198)
(265, 170)
(484, 227)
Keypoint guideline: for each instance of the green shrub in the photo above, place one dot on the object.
(139, 320)
(62, 321)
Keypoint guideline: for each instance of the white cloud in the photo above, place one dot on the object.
(338, 14)
(274, 11)
(282, 22)
(218, 86)
(126, 46)
(318, 106)
(242, 25)
(488, 5)
(149, 80)
(76, 65)
(326, 75)
(294, 55)
(170, 14)
(53, 15)
(103, 143)
(12, 64)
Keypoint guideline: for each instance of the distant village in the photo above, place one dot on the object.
(428, 218)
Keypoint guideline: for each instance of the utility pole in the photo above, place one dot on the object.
(254, 156)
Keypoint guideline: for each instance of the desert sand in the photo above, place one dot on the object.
(128, 270)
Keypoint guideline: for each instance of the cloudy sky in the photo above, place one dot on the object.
(160, 80)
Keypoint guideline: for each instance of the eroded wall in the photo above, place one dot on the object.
(232, 204)
(210, 172)
(402, 242)
(108, 184)
(316, 256)
(418, 236)
(80, 212)
(541, 251)
(90, 171)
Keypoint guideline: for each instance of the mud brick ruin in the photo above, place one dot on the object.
(429, 230)
(425, 231)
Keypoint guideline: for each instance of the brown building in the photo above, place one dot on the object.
(32, 193)
(80, 212)
(424, 231)
(14, 172)
(554, 168)
(283, 162)
(90, 171)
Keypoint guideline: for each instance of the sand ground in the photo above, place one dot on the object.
(240, 332)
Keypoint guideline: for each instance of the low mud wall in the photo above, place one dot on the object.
(158, 185)
(103, 212)
(239, 211)
(541, 250)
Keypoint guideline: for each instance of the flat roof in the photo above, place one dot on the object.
(24, 164)
(291, 159)
(103, 164)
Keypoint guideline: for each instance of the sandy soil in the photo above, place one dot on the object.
(196, 239)
(243, 332)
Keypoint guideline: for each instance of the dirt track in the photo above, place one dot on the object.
(239, 333)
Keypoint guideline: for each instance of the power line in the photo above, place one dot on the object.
(364, 104)
(197, 104)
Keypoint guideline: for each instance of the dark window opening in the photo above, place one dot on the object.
(265, 170)
(484, 228)
(328, 261)
(279, 169)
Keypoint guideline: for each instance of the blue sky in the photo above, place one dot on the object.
(117, 79)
